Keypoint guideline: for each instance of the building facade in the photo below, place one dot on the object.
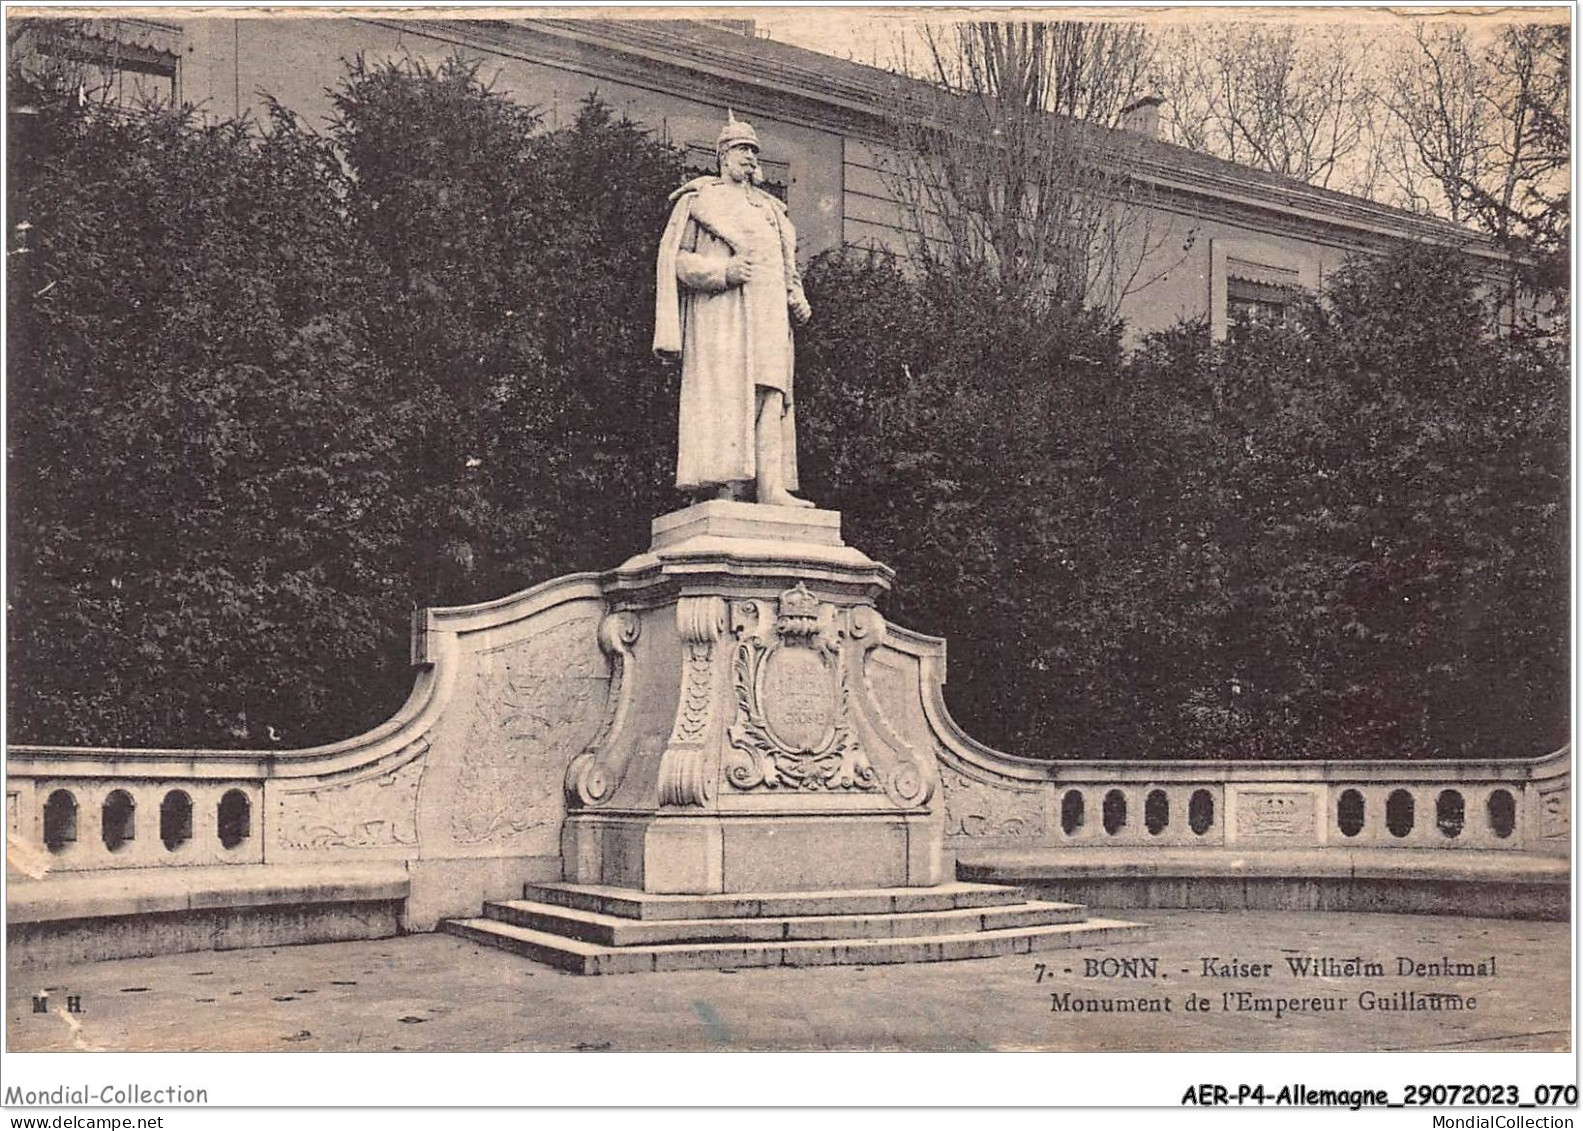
(1223, 238)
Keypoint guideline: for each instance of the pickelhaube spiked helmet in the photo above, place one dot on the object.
(735, 133)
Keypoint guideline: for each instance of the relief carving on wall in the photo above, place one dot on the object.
(792, 727)
(1555, 813)
(379, 811)
(978, 809)
(535, 706)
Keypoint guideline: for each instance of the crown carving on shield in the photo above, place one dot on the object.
(735, 133)
(799, 613)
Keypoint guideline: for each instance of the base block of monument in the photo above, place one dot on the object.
(746, 749)
(594, 929)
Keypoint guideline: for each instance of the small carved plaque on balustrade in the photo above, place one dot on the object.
(1276, 816)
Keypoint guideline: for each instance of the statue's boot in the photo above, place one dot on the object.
(782, 498)
(770, 483)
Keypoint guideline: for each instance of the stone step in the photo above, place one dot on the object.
(615, 930)
(626, 903)
(583, 957)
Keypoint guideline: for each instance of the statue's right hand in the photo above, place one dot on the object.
(738, 271)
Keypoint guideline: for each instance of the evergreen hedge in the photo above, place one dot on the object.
(1341, 537)
(271, 390)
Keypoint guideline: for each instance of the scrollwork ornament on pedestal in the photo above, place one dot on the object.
(908, 786)
(907, 782)
(866, 625)
(686, 776)
(685, 779)
(595, 773)
(692, 714)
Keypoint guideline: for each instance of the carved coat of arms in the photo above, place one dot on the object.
(792, 729)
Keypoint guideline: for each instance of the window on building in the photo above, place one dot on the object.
(119, 62)
(1259, 303)
(1256, 284)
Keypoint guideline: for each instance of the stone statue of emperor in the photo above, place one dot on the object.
(728, 293)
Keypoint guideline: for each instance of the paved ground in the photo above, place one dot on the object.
(438, 993)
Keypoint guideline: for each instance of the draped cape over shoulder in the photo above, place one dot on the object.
(731, 340)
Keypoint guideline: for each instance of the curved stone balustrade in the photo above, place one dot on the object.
(88, 822)
(462, 785)
(998, 799)
(1470, 836)
(360, 797)
(510, 722)
(1518, 806)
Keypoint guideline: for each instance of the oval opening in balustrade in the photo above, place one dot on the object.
(1115, 812)
(118, 820)
(1156, 812)
(234, 816)
(1071, 812)
(1350, 812)
(60, 820)
(175, 819)
(1399, 813)
(1200, 811)
(1450, 811)
(1502, 807)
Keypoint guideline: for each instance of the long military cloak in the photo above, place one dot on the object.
(732, 340)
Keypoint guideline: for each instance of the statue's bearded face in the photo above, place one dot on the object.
(740, 164)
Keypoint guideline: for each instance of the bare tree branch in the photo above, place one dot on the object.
(1009, 166)
(1487, 130)
(1289, 100)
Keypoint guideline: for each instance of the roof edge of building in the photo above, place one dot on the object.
(853, 96)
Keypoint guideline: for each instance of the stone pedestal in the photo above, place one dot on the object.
(743, 749)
